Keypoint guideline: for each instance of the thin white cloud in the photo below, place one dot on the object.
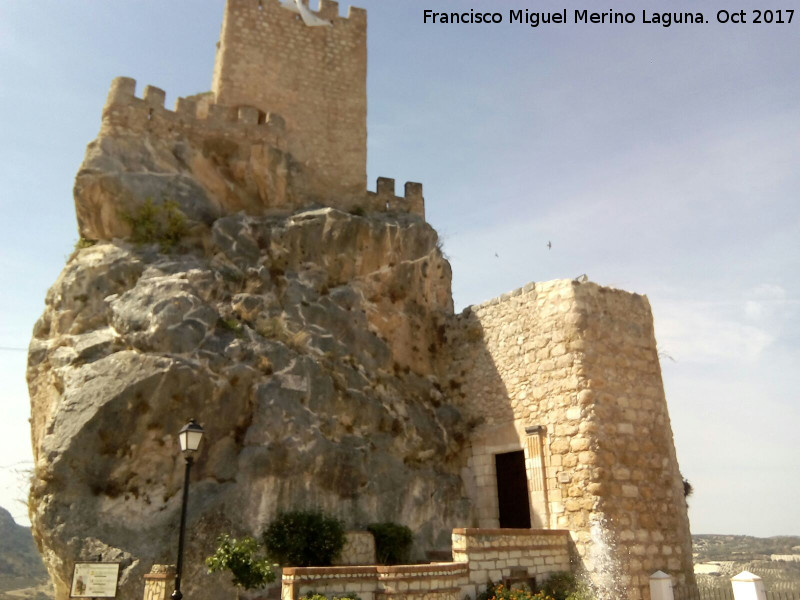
(702, 332)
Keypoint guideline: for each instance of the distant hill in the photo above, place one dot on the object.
(736, 553)
(742, 547)
(20, 564)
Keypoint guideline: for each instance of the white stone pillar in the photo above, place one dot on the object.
(661, 586)
(747, 586)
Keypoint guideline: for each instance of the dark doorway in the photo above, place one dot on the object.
(512, 490)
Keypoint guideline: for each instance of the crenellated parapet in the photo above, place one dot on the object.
(384, 198)
(212, 160)
(190, 118)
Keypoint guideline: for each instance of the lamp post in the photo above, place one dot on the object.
(189, 437)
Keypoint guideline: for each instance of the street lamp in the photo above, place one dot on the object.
(189, 438)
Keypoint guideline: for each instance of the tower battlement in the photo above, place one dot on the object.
(315, 77)
(283, 129)
(190, 118)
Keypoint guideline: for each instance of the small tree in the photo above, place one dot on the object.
(242, 558)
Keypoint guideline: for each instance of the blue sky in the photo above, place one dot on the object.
(658, 160)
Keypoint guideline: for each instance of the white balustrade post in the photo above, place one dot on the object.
(661, 586)
(747, 586)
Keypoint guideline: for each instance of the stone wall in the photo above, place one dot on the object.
(510, 555)
(315, 77)
(436, 581)
(359, 549)
(568, 373)
(479, 555)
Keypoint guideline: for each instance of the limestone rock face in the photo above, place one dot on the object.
(206, 179)
(307, 347)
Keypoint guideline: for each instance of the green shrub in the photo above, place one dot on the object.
(358, 211)
(162, 224)
(318, 596)
(487, 593)
(501, 592)
(392, 543)
(84, 243)
(304, 539)
(241, 557)
(582, 592)
(560, 585)
(565, 586)
(231, 325)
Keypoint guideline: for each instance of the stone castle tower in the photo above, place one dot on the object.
(310, 323)
(314, 77)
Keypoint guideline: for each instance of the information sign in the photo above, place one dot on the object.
(94, 580)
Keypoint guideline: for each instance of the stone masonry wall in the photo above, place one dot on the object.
(568, 372)
(359, 549)
(315, 77)
(510, 555)
(436, 581)
(479, 555)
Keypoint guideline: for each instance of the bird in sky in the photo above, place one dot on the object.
(549, 245)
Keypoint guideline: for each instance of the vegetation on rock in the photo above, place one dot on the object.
(163, 224)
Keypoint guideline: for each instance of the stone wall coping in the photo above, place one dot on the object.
(529, 287)
(495, 548)
(319, 571)
(158, 576)
(425, 568)
(437, 591)
(473, 531)
(373, 570)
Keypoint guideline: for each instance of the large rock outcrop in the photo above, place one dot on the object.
(307, 345)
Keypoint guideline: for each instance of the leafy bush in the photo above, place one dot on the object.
(565, 586)
(231, 325)
(487, 593)
(392, 542)
(84, 243)
(318, 596)
(560, 586)
(304, 539)
(501, 592)
(582, 592)
(358, 211)
(241, 558)
(162, 224)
